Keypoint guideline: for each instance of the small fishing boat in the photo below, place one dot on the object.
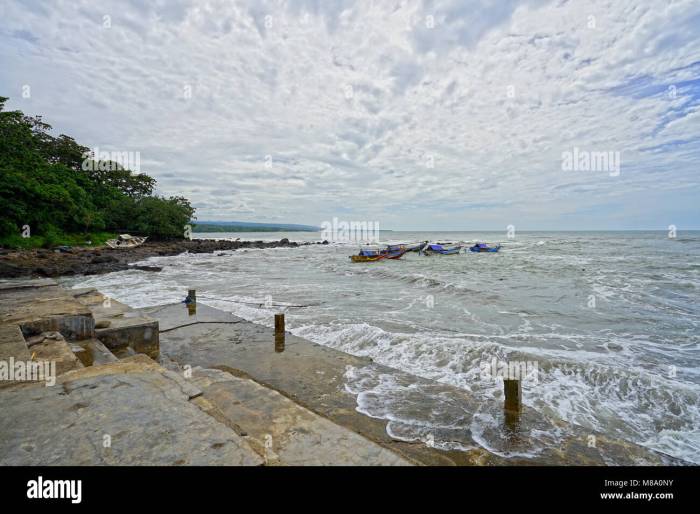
(367, 258)
(377, 254)
(442, 249)
(416, 247)
(394, 254)
(395, 251)
(126, 241)
(484, 247)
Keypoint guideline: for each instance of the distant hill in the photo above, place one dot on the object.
(246, 226)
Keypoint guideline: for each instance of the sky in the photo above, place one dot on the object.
(419, 115)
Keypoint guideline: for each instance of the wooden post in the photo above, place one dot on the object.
(191, 302)
(279, 333)
(279, 323)
(279, 343)
(514, 395)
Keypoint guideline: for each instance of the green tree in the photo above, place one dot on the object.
(54, 185)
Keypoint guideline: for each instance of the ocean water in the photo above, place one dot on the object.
(610, 318)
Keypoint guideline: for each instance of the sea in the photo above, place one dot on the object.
(611, 319)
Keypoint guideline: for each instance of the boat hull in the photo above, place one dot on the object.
(366, 258)
(441, 250)
(477, 249)
(131, 242)
(396, 255)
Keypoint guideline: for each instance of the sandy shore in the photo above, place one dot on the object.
(93, 261)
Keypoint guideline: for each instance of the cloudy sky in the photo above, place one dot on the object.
(450, 114)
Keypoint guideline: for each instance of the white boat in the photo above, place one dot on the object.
(126, 241)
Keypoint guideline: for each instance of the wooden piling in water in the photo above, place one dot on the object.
(279, 323)
(514, 395)
(192, 295)
(279, 333)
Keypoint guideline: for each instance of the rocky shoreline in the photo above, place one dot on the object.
(97, 260)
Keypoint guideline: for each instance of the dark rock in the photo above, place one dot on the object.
(8, 269)
(102, 259)
(147, 268)
(325, 242)
(92, 261)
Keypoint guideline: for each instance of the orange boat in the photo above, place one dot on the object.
(367, 258)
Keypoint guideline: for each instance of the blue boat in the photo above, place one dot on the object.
(377, 254)
(442, 249)
(483, 247)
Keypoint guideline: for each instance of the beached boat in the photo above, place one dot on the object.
(484, 247)
(442, 249)
(126, 241)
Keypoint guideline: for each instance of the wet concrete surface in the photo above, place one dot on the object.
(315, 377)
(149, 414)
(282, 431)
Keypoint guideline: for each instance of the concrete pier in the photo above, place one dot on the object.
(111, 403)
(172, 385)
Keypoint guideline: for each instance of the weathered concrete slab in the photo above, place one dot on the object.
(13, 348)
(46, 309)
(56, 350)
(6, 285)
(12, 343)
(139, 334)
(283, 432)
(134, 405)
(119, 326)
(92, 352)
(314, 376)
(170, 318)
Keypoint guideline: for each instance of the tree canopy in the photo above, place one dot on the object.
(54, 184)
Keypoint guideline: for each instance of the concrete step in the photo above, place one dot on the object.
(118, 326)
(130, 412)
(12, 344)
(92, 352)
(13, 349)
(281, 431)
(51, 347)
(45, 308)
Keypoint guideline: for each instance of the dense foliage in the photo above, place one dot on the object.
(54, 186)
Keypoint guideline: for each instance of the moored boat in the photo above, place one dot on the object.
(442, 249)
(484, 247)
(367, 258)
(376, 254)
(414, 247)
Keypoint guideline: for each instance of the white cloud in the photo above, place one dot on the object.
(352, 100)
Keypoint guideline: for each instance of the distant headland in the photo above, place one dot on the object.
(245, 226)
